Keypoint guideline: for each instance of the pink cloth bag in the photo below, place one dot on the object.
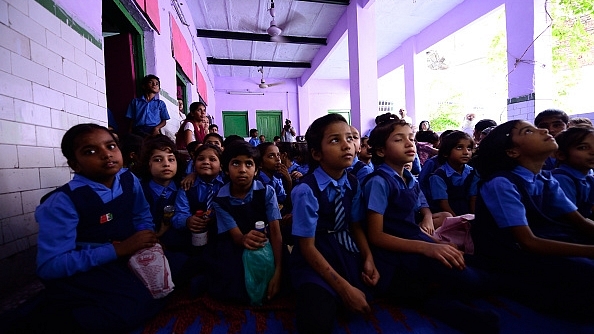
(456, 230)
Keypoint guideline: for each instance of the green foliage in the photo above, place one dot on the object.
(446, 114)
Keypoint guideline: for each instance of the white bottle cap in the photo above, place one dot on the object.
(260, 225)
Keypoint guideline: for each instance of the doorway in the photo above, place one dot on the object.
(124, 60)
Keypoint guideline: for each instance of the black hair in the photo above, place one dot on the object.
(205, 147)
(491, 156)
(571, 138)
(148, 78)
(315, 134)
(551, 112)
(161, 143)
(70, 139)
(443, 134)
(583, 121)
(130, 143)
(483, 124)
(385, 117)
(286, 147)
(276, 138)
(450, 142)
(237, 148)
(192, 146)
(194, 106)
(210, 127)
(229, 139)
(253, 132)
(428, 126)
(379, 135)
(213, 134)
(427, 136)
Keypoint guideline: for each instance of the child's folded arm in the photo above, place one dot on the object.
(143, 220)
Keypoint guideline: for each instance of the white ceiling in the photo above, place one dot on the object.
(396, 21)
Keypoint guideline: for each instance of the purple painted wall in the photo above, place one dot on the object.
(281, 97)
(85, 13)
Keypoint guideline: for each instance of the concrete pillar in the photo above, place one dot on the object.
(362, 61)
(529, 59)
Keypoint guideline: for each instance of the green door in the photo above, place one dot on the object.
(269, 123)
(235, 123)
(346, 113)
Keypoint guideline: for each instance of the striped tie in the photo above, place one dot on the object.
(209, 197)
(341, 231)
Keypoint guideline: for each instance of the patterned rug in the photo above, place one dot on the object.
(205, 315)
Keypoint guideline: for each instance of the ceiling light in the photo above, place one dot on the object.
(244, 93)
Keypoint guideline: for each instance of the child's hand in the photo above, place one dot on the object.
(295, 175)
(197, 223)
(427, 226)
(254, 240)
(447, 254)
(139, 240)
(370, 274)
(274, 285)
(355, 300)
(188, 181)
(281, 168)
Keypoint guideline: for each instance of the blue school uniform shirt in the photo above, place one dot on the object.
(305, 219)
(254, 141)
(439, 187)
(377, 190)
(225, 221)
(585, 190)
(503, 199)
(158, 190)
(362, 172)
(57, 254)
(303, 169)
(276, 183)
(147, 113)
(182, 204)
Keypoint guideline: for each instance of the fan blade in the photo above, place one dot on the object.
(263, 85)
(294, 20)
(275, 84)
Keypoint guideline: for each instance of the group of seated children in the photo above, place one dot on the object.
(359, 223)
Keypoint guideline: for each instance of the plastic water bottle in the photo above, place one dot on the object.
(261, 227)
(200, 238)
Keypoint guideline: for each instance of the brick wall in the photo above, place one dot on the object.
(51, 78)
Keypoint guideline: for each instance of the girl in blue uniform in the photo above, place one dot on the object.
(454, 184)
(575, 158)
(238, 206)
(525, 225)
(200, 196)
(272, 172)
(403, 250)
(88, 229)
(332, 265)
(160, 178)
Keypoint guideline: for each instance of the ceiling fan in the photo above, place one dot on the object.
(275, 31)
(263, 83)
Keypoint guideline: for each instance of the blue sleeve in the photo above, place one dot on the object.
(163, 113)
(504, 202)
(422, 201)
(568, 187)
(143, 220)
(272, 210)
(305, 211)
(439, 189)
(182, 209)
(363, 172)
(376, 194)
(225, 221)
(131, 111)
(558, 203)
(281, 194)
(57, 254)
